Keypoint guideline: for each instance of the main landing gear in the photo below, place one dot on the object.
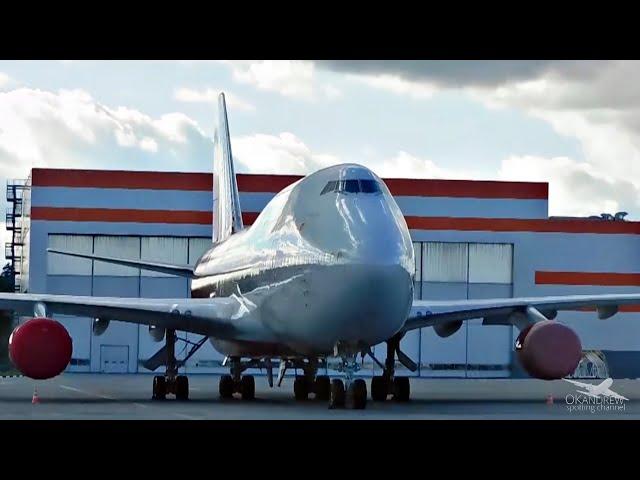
(171, 382)
(245, 385)
(320, 386)
(323, 388)
(388, 384)
(308, 383)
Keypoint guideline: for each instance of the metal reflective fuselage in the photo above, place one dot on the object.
(316, 269)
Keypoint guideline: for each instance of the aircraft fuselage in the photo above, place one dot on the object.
(324, 263)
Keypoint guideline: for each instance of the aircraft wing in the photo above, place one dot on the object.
(178, 270)
(509, 311)
(229, 318)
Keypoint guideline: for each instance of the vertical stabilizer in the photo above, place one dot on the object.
(227, 217)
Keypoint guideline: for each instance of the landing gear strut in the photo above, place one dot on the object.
(171, 382)
(236, 382)
(388, 384)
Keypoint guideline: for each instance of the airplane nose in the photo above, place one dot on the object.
(370, 287)
(383, 295)
(360, 303)
(375, 233)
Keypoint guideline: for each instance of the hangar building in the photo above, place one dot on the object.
(473, 239)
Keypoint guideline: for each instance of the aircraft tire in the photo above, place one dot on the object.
(159, 387)
(300, 388)
(379, 389)
(337, 394)
(182, 387)
(357, 394)
(247, 387)
(225, 387)
(401, 389)
(322, 387)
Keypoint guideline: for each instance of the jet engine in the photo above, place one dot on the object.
(548, 350)
(157, 333)
(40, 348)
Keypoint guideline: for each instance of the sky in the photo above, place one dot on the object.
(574, 124)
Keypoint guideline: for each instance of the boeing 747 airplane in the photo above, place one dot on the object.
(326, 271)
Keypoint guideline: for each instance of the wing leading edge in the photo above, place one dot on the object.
(178, 270)
(511, 311)
(227, 318)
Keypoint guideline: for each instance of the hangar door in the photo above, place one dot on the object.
(449, 271)
(458, 271)
(77, 276)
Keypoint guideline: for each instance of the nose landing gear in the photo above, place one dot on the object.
(354, 393)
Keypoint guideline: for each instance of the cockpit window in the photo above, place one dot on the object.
(349, 186)
(369, 186)
(352, 186)
(329, 187)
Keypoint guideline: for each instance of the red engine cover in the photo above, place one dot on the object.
(40, 348)
(548, 350)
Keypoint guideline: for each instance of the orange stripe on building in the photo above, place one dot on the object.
(588, 278)
(264, 183)
(45, 177)
(467, 188)
(622, 309)
(416, 223)
(249, 217)
(522, 225)
(120, 215)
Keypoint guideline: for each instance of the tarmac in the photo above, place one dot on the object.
(128, 397)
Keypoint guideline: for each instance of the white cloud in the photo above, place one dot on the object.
(602, 111)
(331, 91)
(210, 95)
(148, 144)
(575, 188)
(595, 102)
(7, 83)
(70, 129)
(290, 78)
(397, 85)
(284, 153)
(405, 165)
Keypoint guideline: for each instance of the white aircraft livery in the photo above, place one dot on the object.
(325, 272)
